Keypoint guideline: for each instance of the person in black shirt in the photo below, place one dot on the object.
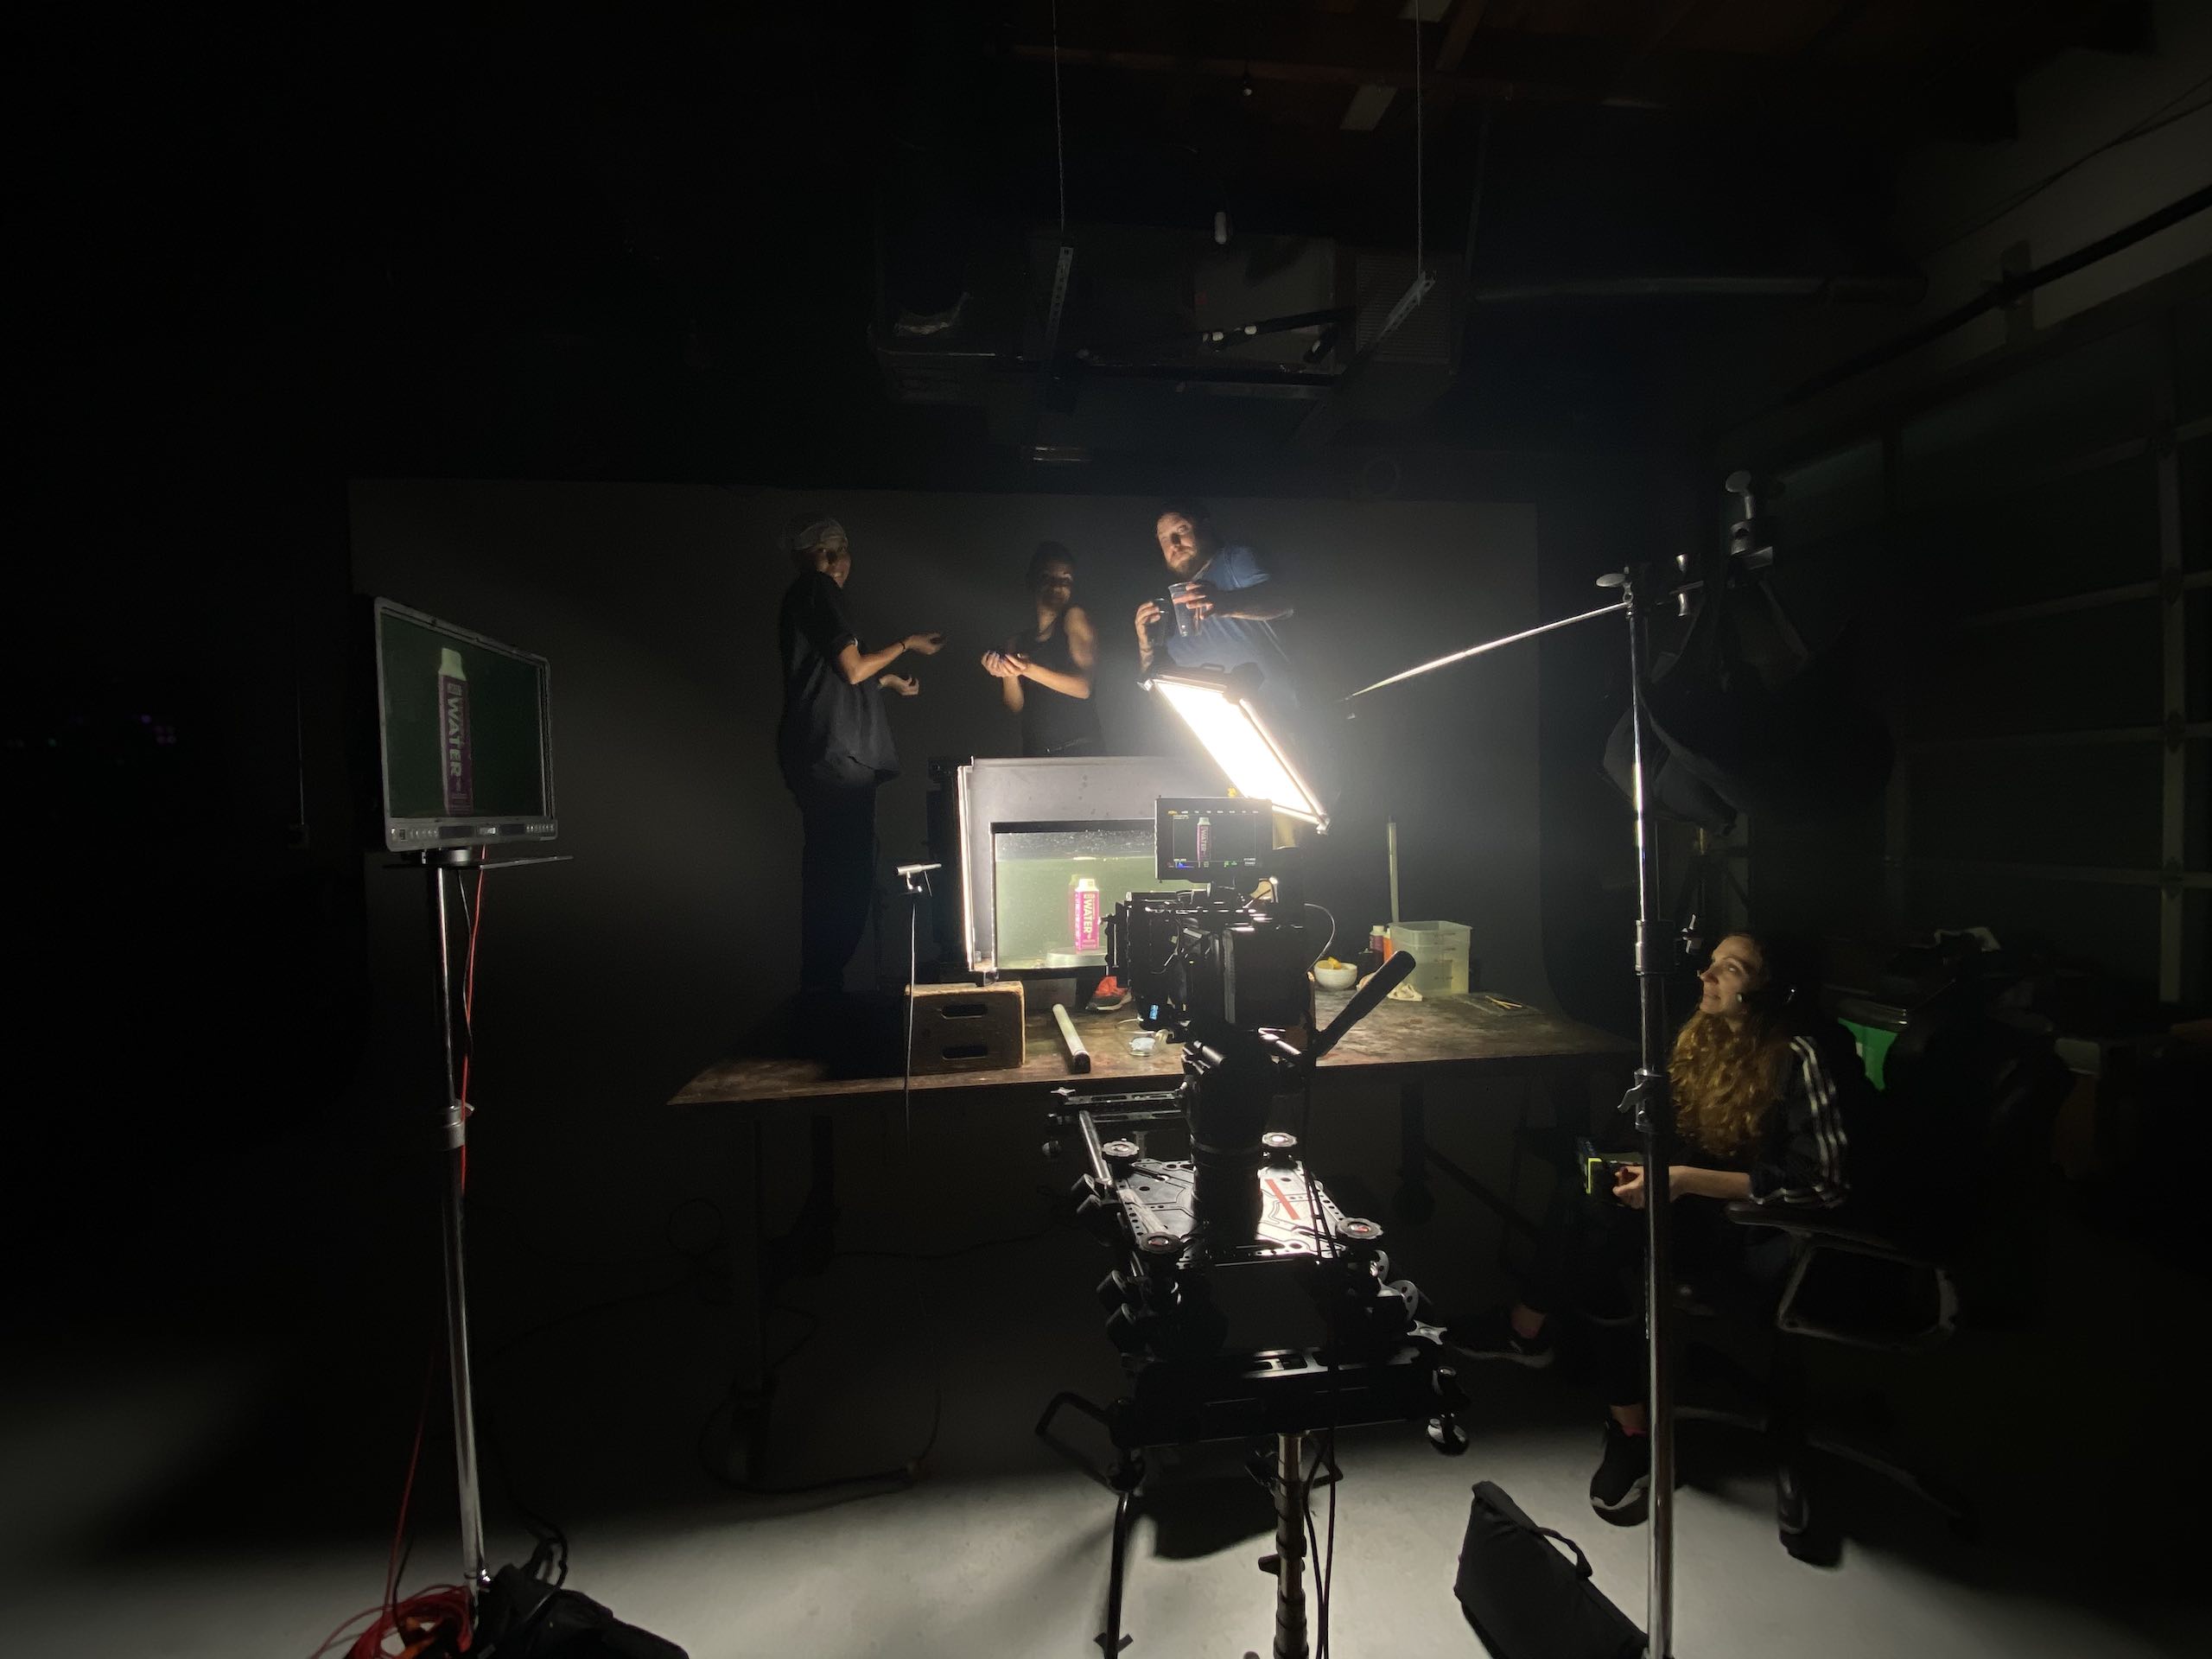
(1045, 671)
(833, 744)
(1765, 1088)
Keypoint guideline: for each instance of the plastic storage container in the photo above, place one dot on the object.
(1439, 952)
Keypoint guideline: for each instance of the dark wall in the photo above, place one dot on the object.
(188, 1013)
(2008, 558)
(605, 982)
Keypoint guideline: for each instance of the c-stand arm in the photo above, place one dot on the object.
(1384, 981)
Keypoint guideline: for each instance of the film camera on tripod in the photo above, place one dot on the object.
(1246, 1305)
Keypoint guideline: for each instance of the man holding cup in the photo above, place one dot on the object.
(1222, 603)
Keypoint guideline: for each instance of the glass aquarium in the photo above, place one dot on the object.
(1054, 884)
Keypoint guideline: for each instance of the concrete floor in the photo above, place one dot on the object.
(225, 1497)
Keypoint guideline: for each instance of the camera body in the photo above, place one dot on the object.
(1209, 963)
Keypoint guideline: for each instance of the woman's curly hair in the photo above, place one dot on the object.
(1727, 1076)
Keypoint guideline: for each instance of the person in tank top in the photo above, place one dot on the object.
(1044, 671)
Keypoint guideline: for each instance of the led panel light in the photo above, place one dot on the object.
(1221, 716)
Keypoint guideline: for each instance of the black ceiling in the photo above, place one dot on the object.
(619, 244)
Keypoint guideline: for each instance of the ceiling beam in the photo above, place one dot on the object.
(1349, 51)
(1460, 34)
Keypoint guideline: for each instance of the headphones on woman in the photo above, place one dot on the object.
(1767, 999)
(1792, 972)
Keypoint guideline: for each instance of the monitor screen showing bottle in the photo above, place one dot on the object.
(462, 725)
(1224, 839)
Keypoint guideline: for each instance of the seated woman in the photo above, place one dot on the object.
(1044, 671)
(1764, 1086)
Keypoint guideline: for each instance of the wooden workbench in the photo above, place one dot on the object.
(1402, 1041)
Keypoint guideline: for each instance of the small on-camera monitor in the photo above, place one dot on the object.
(1225, 838)
(464, 735)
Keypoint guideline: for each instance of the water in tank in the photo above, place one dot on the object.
(1055, 884)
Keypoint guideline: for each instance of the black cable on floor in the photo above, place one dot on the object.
(552, 1540)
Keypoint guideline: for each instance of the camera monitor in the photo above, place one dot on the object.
(1226, 839)
(464, 735)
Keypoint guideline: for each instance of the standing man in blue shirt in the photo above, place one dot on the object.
(1233, 599)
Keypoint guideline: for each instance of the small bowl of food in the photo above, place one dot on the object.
(1333, 975)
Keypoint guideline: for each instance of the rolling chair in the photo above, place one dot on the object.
(1966, 1116)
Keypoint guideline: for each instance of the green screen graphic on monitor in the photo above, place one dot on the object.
(463, 726)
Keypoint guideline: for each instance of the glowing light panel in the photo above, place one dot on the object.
(1240, 743)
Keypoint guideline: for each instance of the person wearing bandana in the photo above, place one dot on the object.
(833, 744)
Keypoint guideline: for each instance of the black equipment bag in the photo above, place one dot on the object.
(524, 1619)
(1527, 1601)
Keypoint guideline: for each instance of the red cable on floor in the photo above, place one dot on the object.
(407, 1490)
(432, 1621)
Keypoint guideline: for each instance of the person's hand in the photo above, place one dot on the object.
(1017, 665)
(1201, 599)
(1149, 616)
(903, 684)
(1628, 1184)
(997, 663)
(924, 645)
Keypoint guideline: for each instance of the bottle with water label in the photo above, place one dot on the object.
(1083, 915)
(455, 761)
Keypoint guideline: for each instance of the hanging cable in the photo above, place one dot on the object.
(471, 915)
(1421, 147)
(1475, 203)
(1059, 132)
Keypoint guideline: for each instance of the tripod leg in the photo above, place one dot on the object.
(1290, 1547)
(1127, 1477)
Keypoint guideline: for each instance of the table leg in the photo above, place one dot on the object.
(1413, 1203)
(814, 1235)
(763, 1264)
(752, 1388)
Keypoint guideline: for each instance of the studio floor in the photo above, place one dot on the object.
(225, 1497)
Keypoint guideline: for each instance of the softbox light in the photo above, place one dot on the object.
(1218, 709)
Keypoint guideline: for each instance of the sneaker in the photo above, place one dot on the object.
(1490, 1335)
(1622, 1487)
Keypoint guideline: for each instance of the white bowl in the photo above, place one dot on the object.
(1336, 979)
